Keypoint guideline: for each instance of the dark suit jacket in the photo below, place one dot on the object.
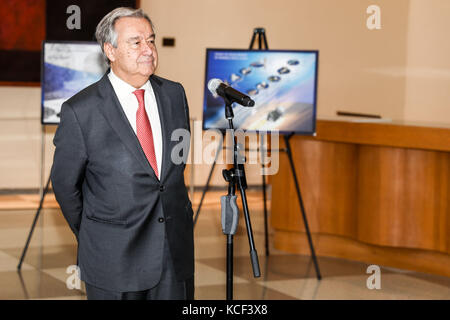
(110, 196)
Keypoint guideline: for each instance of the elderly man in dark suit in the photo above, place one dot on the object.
(120, 191)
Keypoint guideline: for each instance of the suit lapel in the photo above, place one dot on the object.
(113, 112)
(164, 106)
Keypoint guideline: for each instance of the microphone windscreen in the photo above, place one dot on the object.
(213, 84)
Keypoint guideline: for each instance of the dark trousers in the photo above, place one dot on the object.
(168, 288)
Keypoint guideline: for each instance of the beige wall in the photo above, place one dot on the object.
(349, 57)
(427, 95)
(20, 138)
(350, 54)
(401, 71)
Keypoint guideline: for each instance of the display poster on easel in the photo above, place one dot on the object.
(67, 68)
(283, 84)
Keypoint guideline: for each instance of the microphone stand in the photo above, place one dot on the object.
(230, 211)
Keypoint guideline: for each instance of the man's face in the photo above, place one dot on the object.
(135, 57)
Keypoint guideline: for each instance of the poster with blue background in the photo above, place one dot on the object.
(282, 83)
(67, 68)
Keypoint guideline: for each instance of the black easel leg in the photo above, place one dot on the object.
(305, 221)
(34, 224)
(261, 32)
(205, 189)
(253, 39)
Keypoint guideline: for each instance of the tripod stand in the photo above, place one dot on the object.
(230, 212)
(261, 35)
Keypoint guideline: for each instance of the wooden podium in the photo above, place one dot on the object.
(373, 192)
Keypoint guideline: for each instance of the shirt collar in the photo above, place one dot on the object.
(124, 87)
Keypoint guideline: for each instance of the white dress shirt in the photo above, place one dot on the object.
(129, 103)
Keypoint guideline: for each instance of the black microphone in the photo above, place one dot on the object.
(217, 87)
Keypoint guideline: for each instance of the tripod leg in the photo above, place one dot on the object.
(229, 267)
(305, 221)
(33, 225)
(253, 253)
(207, 182)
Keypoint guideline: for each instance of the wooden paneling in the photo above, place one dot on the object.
(388, 196)
(328, 185)
(403, 197)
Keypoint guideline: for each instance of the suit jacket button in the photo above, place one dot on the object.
(162, 188)
(160, 220)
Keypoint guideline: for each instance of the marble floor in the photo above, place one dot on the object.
(46, 268)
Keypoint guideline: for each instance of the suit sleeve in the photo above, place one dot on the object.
(68, 168)
(186, 108)
(188, 122)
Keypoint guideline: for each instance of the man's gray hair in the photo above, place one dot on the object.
(105, 31)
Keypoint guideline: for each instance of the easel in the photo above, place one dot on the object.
(260, 33)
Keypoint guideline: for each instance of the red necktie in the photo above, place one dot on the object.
(144, 131)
